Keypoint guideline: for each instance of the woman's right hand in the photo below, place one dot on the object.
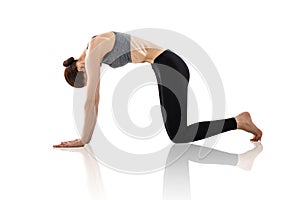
(69, 144)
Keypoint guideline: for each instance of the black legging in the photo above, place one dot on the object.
(172, 88)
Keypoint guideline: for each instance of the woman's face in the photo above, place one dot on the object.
(81, 68)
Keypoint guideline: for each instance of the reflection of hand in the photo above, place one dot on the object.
(69, 144)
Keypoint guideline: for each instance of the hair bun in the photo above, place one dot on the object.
(68, 62)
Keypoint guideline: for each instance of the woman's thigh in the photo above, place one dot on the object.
(172, 86)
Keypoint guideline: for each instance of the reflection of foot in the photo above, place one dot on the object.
(245, 160)
(245, 123)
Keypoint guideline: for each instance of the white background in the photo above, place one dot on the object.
(255, 46)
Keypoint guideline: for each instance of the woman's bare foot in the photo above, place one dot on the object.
(245, 160)
(245, 123)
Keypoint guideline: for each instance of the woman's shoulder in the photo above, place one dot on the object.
(103, 38)
(104, 35)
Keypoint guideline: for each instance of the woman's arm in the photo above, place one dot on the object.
(92, 63)
(98, 48)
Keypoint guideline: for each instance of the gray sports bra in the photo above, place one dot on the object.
(120, 54)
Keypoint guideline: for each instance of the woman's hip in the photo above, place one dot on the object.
(171, 61)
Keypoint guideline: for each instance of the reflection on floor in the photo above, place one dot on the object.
(176, 174)
(95, 184)
(177, 178)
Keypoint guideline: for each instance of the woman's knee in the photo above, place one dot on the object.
(177, 139)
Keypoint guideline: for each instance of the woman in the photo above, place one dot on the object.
(117, 49)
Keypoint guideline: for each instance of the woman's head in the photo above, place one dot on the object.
(73, 76)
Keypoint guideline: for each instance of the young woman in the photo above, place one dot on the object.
(117, 49)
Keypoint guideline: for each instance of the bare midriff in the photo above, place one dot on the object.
(143, 50)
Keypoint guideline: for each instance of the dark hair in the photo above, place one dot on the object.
(74, 77)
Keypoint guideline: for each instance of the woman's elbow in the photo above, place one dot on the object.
(89, 103)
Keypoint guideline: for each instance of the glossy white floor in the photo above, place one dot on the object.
(34, 170)
(255, 47)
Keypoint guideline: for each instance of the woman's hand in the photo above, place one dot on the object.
(69, 144)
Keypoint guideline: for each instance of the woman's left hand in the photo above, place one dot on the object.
(69, 144)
